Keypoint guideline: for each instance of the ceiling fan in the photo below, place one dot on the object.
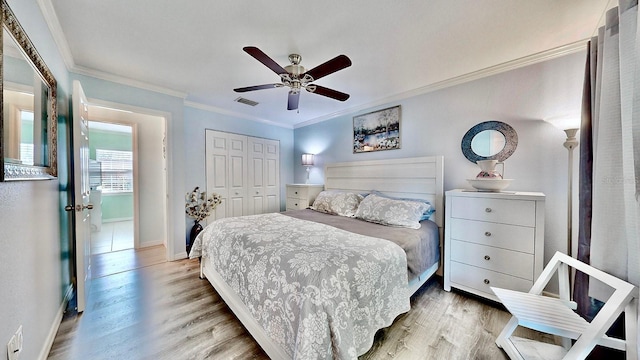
(296, 77)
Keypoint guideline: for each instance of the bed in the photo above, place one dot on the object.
(311, 285)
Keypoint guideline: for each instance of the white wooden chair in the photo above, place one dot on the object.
(555, 316)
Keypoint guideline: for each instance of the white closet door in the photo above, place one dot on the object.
(226, 171)
(272, 176)
(264, 176)
(245, 171)
(237, 175)
(256, 176)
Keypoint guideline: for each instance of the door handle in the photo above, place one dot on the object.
(78, 207)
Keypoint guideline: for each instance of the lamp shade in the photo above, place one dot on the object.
(307, 159)
(565, 122)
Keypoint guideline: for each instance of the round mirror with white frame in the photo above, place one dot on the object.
(489, 140)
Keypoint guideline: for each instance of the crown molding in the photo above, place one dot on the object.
(50, 17)
(81, 70)
(475, 75)
(221, 111)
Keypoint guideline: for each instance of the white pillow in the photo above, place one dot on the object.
(391, 212)
(337, 203)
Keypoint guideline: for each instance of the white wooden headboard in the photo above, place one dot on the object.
(418, 177)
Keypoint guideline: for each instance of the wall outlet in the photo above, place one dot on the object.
(14, 347)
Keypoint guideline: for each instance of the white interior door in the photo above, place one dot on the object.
(256, 176)
(82, 192)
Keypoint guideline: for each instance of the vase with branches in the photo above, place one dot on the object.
(198, 206)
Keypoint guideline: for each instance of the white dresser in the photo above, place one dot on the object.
(493, 239)
(301, 196)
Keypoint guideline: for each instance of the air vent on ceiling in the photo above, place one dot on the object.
(246, 101)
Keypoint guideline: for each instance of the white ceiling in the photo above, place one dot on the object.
(194, 47)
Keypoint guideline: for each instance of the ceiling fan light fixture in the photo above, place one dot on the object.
(295, 76)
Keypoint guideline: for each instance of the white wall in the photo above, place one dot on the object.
(34, 257)
(434, 124)
(151, 170)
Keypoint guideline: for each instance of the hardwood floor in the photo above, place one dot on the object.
(110, 263)
(165, 311)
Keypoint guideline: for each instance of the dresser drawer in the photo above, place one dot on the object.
(515, 212)
(505, 261)
(297, 192)
(296, 204)
(510, 237)
(481, 279)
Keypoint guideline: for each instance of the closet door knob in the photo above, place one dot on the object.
(486, 233)
(487, 257)
(487, 210)
(486, 281)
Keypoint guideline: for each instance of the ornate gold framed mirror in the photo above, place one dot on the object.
(28, 145)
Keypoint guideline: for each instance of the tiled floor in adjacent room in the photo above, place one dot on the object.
(112, 236)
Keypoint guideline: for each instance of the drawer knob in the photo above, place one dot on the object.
(296, 204)
(486, 281)
(257, 192)
(487, 210)
(487, 233)
(295, 192)
(487, 257)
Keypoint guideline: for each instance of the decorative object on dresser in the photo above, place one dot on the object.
(377, 130)
(493, 239)
(199, 207)
(307, 162)
(489, 179)
(301, 196)
(487, 144)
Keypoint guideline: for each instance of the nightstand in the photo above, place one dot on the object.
(301, 196)
(493, 239)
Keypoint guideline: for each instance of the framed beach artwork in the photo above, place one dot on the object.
(377, 130)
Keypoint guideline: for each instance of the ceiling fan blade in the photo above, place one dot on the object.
(334, 94)
(257, 87)
(294, 99)
(337, 63)
(265, 59)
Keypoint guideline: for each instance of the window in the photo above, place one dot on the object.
(117, 170)
(26, 137)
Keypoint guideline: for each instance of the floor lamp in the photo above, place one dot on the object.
(570, 125)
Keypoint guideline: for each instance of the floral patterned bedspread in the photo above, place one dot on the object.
(318, 291)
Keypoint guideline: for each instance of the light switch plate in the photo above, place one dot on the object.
(14, 347)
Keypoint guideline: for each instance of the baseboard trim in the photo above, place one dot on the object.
(150, 244)
(46, 348)
(179, 256)
(117, 220)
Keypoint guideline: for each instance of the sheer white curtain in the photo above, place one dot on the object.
(615, 232)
